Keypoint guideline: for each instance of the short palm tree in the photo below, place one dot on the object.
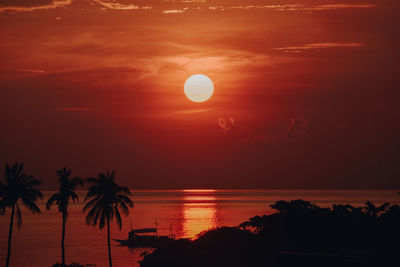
(106, 198)
(62, 198)
(18, 187)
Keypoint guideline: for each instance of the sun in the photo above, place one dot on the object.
(198, 88)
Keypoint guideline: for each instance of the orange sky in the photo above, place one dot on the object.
(306, 92)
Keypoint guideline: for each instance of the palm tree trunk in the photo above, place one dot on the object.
(62, 239)
(109, 243)
(9, 235)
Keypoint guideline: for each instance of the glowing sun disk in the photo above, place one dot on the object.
(198, 88)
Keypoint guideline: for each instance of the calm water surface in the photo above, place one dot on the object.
(187, 212)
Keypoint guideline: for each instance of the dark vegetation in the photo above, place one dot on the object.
(105, 200)
(65, 194)
(18, 189)
(298, 234)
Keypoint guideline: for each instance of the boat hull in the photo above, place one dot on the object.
(149, 242)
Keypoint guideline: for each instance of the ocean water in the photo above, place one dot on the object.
(186, 212)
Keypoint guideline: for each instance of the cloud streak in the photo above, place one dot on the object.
(295, 7)
(174, 7)
(33, 71)
(119, 6)
(325, 45)
(342, 6)
(42, 5)
(175, 11)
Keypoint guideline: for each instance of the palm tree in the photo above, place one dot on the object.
(18, 186)
(65, 193)
(106, 199)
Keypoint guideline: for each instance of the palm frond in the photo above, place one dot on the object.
(77, 181)
(125, 199)
(111, 176)
(99, 212)
(91, 203)
(30, 181)
(54, 198)
(103, 218)
(93, 191)
(106, 200)
(18, 215)
(124, 190)
(30, 204)
(94, 213)
(91, 215)
(123, 207)
(73, 196)
(19, 186)
(118, 217)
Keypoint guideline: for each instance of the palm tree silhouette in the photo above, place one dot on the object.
(65, 193)
(18, 186)
(106, 198)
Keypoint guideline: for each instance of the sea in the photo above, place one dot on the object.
(181, 213)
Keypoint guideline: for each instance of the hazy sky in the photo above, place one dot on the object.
(306, 91)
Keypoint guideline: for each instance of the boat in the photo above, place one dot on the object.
(146, 237)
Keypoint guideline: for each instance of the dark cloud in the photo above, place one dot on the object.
(298, 127)
(225, 124)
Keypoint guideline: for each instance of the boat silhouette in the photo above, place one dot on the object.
(147, 237)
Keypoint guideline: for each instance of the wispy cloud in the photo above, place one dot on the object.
(192, 111)
(299, 48)
(175, 11)
(295, 7)
(286, 7)
(32, 70)
(119, 6)
(341, 6)
(21, 6)
(16, 6)
(193, 1)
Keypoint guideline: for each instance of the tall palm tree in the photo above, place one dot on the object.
(106, 198)
(65, 193)
(18, 186)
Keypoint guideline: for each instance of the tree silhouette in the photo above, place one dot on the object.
(18, 186)
(342, 209)
(294, 206)
(373, 211)
(106, 199)
(65, 193)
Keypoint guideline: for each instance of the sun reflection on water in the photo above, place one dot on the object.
(199, 212)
